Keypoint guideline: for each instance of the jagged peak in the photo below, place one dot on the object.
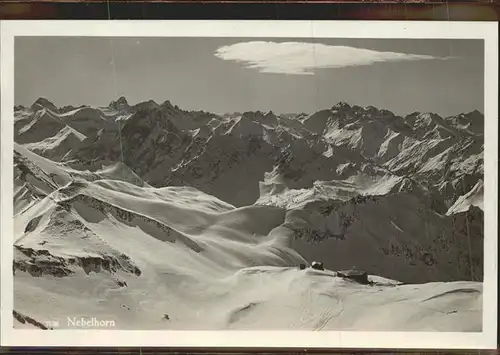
(341, 105)
(169, 107)
(252, 113)
(121, 102)
(167, 103)
(426, 116)
(42, 102)
(413, 114)
(232, 114)
(150, 101)
(371, 108)
(474, 113)
(429, 114)
(386, 112)
(150, 104)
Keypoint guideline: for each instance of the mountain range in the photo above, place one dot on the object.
(165, 218)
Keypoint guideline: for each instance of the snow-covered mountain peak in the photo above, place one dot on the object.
(145, 106)
(341, 105)
(168, 106)
(120, 104)
(43, 103)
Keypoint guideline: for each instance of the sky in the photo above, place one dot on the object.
(224, 75)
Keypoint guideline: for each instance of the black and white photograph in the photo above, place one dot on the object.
(238, 182)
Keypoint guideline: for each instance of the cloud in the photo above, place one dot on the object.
(302, 58)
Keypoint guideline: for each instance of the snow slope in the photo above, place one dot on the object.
(161, 218)
(474, 197)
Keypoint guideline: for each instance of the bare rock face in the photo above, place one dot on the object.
(42, 103)
(120, 104)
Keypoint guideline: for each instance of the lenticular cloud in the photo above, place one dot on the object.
(301, 58)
